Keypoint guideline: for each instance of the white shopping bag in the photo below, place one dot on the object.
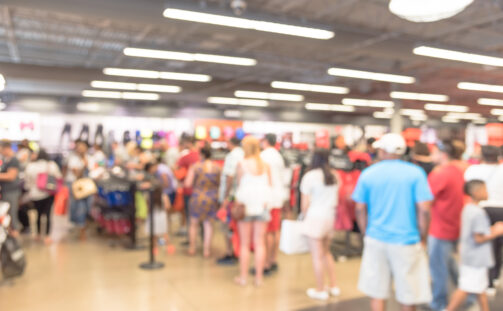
(293, 241)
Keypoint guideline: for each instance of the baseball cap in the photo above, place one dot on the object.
(391, 143)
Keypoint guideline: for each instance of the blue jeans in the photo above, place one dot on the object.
(443, 267)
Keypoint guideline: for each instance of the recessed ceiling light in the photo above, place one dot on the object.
(269, 96)
(190, 57)
(368, 103)
(490, 102)
(458, 56)
(419, 96)
(237, 101)
(119, 95)
(448, 108)
(480, 87)
(150, 74)
(329, 107)
(359, 74)
(309, 87)
(238, 22)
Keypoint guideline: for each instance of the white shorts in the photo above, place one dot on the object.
(473, 280)
(406, 265)
(318, 228)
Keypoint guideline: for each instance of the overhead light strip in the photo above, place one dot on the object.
(368, 103)
(245, 23)
(151, 74)
(381, 115)
(120, 95)
(444, 107)
(368, 75)
(419, 96)
(136, 86)
(490, 102)
(480, 87)
(319, 88)
(190, 57)
(269, 96)
(237, 101)
(329, 107)
(497, 112)
(458, 56)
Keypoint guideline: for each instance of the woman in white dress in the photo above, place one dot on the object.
(319, 198)
(254, 192)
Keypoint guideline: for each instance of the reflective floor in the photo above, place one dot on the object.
(93, 275)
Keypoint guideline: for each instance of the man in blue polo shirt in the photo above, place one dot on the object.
(393, 202)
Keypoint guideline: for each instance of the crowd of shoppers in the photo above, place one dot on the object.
(413, 210)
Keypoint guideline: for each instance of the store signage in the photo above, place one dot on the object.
(17, 126)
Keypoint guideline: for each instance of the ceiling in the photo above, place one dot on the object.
(56, 47)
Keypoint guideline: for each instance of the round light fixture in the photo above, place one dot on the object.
(422, 11)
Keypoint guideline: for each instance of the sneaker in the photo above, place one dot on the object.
(314, 294)
(274, 267)
(267, 272)
(491, 292)
(335, 291)
(227, 260)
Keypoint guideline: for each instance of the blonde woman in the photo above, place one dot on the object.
(253, 191)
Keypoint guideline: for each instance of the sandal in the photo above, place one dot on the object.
(240, 281)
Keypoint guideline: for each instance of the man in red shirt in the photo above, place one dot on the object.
(189, 155)
(446, 182)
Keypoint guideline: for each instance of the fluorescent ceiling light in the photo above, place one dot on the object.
(458, 56)
(190, 57)
(238, 22)
(450, 120)
(136, 87)
(359, 74)
(464, 116)
(89, 107)
(419, 96)
(113, 85)
(329, 107)
(480, 121)
(368, 103)
(490, 102)
(497, 112)
(270, 96)
(237, 101)
(119, 95)
(448, 108)
(382, 115)
(480, 87)
(412, 112)
(101, 94)
(420, 11)
(309, 87)
(140, 96)
(150, 74)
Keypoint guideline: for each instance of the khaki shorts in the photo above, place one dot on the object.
(405, 265)
(473, 280)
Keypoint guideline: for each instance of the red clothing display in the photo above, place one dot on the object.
(447, 184)
(187, 159)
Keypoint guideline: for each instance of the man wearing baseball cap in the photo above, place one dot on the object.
(393, 205)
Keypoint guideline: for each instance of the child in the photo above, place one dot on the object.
(476, 253)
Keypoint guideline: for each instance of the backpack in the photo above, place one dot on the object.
(12, 258)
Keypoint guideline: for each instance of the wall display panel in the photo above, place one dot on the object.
(17, 126)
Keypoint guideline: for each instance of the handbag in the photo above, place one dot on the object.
(83, 188)
(292, 240)
(49, 183)
(238, 211)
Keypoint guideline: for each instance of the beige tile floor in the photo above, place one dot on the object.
(82, 276)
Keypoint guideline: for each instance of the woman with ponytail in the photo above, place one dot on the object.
(319, 198)
(254, 194)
